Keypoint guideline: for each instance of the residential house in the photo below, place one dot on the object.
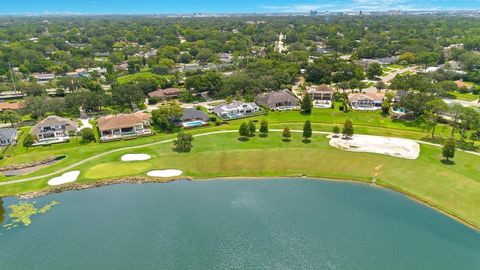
(192, 114)
(101, 54)
(225, 58)
(279, 100)
(235, 109)
(100, 70)
(54, 129)
(120, 126)
(79, 72)
(366, 101)
(5, 106)
(399, 95)
(121, 67)
(322, 92)
(8, 136)
(167, 93)
(43, 77)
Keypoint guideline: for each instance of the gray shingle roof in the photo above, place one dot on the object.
(272, 98)
(54, 120)
(8, 133)
(193, 113)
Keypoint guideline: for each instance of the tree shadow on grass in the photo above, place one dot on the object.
(285, 140)
(306, 141)
(263, 135)
(448, 162)
(243, 139)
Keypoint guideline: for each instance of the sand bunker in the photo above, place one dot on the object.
(164, 173)
(135, 157)
(67, 177)
(395, 147)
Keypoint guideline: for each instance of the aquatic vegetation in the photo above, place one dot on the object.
(22, 213)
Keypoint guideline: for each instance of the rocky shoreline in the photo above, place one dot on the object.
(29, 165)
(114, 181)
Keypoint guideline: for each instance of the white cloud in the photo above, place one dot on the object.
(349, 5)
(297, 7)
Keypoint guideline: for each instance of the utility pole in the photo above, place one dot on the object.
(13, 79)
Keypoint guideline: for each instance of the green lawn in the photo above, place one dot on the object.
(462, 96)
(140, 75)
(322, 120)
(452, 188)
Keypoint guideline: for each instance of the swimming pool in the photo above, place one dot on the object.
(193, 124)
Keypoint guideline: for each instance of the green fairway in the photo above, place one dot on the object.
(452, 188)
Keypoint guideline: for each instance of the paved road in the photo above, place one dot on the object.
(464, 103)
(386, 79)
(28, 179)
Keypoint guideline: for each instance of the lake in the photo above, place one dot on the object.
(238, 224)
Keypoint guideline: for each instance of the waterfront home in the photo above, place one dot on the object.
(192, 114)
(168, 93)
(322, 92)
(5, 106)
(54, 129)
(366, 101)
(279, 100)
(8, 136)
(236, 109)
(321, 96)
(113, 127)
(194, 118)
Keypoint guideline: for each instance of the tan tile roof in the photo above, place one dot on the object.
(362, 96)
(121, 120)
(321, 88)
(165, 92)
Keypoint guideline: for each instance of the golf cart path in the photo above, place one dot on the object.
(69, 167)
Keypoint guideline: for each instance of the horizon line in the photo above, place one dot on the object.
(320, 12)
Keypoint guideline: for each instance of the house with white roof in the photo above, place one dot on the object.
(236, 109)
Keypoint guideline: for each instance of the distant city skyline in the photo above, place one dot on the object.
(217, 6)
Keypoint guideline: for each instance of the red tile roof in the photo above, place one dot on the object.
(165, 92)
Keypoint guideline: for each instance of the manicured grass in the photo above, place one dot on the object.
(140, 75)
(110, 170)
(452, 188)
(462, 96)
(322, 119)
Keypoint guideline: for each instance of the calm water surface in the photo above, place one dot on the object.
(244, 224)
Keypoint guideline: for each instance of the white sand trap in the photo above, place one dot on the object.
(395, 147)
(164, 173)
(135, 157)
(67, 177)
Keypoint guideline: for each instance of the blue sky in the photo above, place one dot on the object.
(240, 6)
